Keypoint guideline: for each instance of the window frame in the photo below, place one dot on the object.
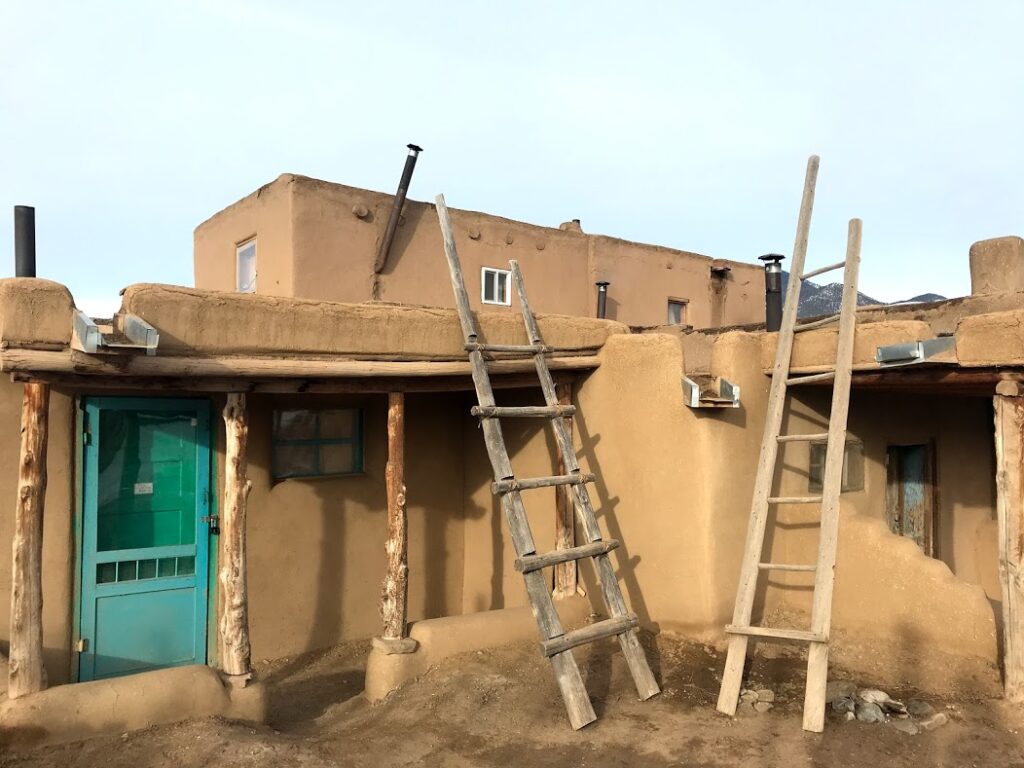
(684, 305)
(239, 247)
(507, 274)
(356, 441)
(853, 476)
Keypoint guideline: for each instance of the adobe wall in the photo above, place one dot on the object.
(336, 231)
(267, 211)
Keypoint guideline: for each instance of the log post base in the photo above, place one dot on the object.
(395, 645)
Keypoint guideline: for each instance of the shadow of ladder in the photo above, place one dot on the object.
(557, 644)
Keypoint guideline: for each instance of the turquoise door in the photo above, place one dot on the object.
(145, 542)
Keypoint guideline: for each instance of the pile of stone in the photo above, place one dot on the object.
(760, 700)
(869, 705)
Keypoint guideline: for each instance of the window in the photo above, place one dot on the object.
(495, 286)
(677, 311)
(853, 467)
(245, 266)
(317, 443)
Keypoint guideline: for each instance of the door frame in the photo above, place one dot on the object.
(86, 417)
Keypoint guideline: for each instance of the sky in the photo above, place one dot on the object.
(126, 124)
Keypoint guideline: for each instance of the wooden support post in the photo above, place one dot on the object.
(27, 674)
(1009, 417)
(395, 589)
(234, 621)
(565, 531)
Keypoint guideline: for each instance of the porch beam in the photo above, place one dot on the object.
(566, 574)
(27, 673)
(395, 589)
(235, 651)
(1009, 437)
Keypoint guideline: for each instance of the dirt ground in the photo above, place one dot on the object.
(501, 708)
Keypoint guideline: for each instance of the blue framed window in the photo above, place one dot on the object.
(317, 443)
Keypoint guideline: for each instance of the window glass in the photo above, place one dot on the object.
(676, 312)
(495, 286)
(245, 257)
(853, 466)
(313, 443)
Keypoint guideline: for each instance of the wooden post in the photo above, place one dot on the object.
(1009, 417)
(234, 621)
(565, 530)
(27, 674)
(395, 589)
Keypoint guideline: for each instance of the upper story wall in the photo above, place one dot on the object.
(318, 240)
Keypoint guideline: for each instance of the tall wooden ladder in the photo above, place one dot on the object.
(741, 629)
(556, 643)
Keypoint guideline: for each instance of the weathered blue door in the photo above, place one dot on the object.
(145, 543)
(910, 493)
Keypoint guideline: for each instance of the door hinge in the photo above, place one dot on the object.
(82, 646)
(214, 523)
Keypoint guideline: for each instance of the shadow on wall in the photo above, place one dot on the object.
(604, 508)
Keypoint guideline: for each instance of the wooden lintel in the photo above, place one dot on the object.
(235, 650)
(395, 589)
(1009, 436)
(380, 385)
(932, 380)
(26, 672)
(263, 367)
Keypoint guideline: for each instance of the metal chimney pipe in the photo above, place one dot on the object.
(24, 241)
(396, 209)
(772, 290)
(602, 298)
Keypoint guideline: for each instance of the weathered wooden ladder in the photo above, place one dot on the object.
(741, 629)
(557, 644)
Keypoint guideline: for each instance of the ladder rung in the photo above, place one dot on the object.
(529, 563)
(822, 270)
(794, 499)
(520, 349)
(826, 376)
(589, 634)
(576, 478)
(787, 567)
(816, 324)
(526, 411)
(778, 634)
(802, 438)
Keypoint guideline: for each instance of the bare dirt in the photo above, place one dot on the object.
(501, 708)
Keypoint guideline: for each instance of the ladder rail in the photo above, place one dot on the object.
(832, 480)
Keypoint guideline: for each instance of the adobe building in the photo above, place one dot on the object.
(173, 554)
(309, 239)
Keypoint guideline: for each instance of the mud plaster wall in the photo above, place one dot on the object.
(268, 212)
(333, 250)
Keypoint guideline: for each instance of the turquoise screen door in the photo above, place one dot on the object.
(145, 543)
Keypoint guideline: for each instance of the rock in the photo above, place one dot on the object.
(837, 689)
(919, 708)
(873, 696)
(763, 706)
(764, 694)
(748, 697)
(935, 721)
(905, 726)
(868, 712)
(893, 707)
(844, 704)
(850, 716)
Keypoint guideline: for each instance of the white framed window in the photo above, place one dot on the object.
(494, 286)
(245, 266)
(677, 311)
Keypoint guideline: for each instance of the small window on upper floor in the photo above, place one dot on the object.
(495, 286)
(245, 266)
(677, 311)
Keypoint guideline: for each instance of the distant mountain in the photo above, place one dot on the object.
(825, 299)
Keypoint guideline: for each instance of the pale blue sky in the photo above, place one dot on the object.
(683, 124)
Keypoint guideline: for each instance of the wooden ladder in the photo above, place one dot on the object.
(741, 630)
(556, 643)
